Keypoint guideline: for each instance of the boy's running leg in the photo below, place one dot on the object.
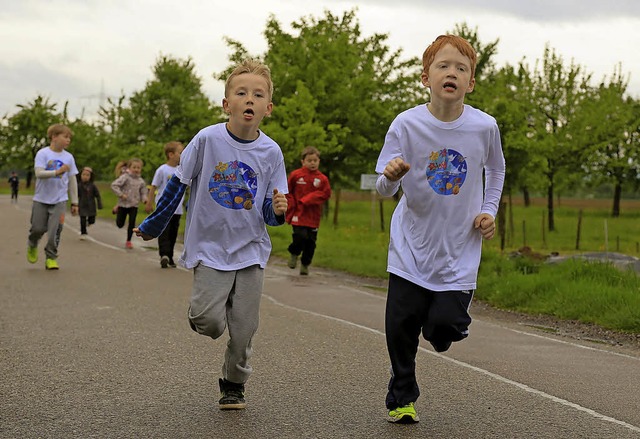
(297, 245)
(39, 221)
(54, 229)
(209, 314)
(83, 225)
(448, 319)
(167, 240)
(406, 306)
(242, 318)
(308, 249)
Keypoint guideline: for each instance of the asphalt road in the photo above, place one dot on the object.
(102, 349)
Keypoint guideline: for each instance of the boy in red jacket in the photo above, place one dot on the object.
(308, 191)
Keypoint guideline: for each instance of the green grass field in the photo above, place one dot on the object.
(588, 292)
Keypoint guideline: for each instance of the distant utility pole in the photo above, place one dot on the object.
(101, 96)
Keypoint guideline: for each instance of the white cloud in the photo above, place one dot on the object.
(71, 49)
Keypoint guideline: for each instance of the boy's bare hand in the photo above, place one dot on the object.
(74, 210)
(62, 169)
(486, 224)
(396, 169)
(142, 235)
(279, 202)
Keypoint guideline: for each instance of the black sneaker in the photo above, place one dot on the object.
(171, 263)
(232, 395)
(164, 261)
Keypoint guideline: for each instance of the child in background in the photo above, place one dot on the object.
(234, 171)
(309, 189)
(14, 182)
(121, 168)
(439, 153)
(167, 240)
(89, 200)
(131, 190)
(55, 170)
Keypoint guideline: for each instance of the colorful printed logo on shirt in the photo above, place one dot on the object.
(54, 165)
(233, 185)
(446, 171)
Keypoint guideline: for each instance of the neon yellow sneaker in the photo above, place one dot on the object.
(404, 415)
(32, 254)
(51, 264)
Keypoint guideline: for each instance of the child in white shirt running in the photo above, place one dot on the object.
(439, 154)
(238, 184)
(55, 170)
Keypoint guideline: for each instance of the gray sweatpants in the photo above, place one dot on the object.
(49, 219)
(221, 299)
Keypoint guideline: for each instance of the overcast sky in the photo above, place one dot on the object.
(80, 50)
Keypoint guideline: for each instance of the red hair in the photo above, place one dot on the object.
(459, 43)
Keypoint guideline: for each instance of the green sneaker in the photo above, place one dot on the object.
(304, 270)
(51, 264)
(293, 261)
(404, 415)
(32, 254)
(232, 396)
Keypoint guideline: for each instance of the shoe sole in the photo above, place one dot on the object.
(404, 419)
(237, 406)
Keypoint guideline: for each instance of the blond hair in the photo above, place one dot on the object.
(133, 160)
(58, 128)
(172, 147)
(250, 66)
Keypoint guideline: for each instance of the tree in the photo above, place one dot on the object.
(88, 148)
(172, 106)
(336, 90)
(555, 94)
(610, 127)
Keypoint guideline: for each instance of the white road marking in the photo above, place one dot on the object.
(500, 378)
(379, 297)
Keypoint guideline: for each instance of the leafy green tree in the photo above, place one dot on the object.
(334, 89)
(506, 99)
(556, 91)
(113, 138)
(610, 132)
(172, 106)
(25, 132)
(88, 148)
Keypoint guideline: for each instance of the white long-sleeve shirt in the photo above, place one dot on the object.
(433, 242)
